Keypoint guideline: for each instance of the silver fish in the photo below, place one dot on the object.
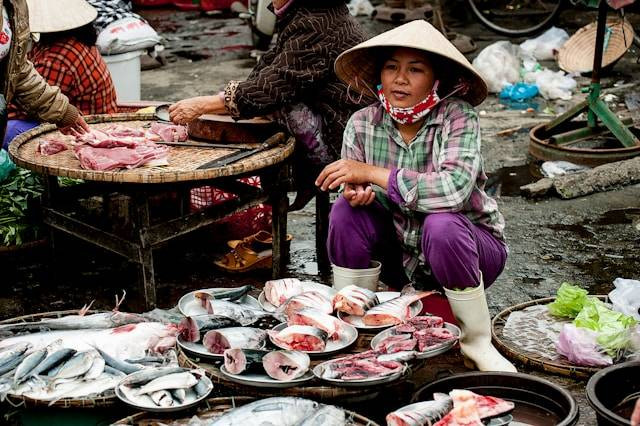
(420, 413)
(270, 411)
(28, 364)
(170, 381)
(327, 415)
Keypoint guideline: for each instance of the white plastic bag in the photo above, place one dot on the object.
(360, 7)
(545, 45)
(499, 65)
(126, 35)
(552, 85)
(626, 297)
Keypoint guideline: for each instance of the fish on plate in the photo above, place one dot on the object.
(394, 311)
(216, 341)
(421, 413)
(313, 317)
(279, 365)
(300, 338)
(354, 300)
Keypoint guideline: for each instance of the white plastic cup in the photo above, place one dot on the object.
(365, 278)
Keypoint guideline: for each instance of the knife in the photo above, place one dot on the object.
(274, 140)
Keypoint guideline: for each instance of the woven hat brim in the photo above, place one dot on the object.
(357, 67)
(50, 16)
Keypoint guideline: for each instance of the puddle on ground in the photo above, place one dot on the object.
(508, 180)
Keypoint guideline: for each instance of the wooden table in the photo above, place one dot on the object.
(140, 185)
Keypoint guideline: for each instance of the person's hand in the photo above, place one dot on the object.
(343, 171)
(78, 128)
(358, 195)
(635, 417)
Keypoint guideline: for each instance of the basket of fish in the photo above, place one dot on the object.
(164, 389)
(75, 359)
(245, 411)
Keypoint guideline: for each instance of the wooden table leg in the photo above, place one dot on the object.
(279, 207)
(145, 252)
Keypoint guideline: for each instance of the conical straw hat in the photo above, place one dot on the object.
(358, 66)
(50, 16)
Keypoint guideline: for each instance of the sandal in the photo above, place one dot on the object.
(242, 259)
(261, 240)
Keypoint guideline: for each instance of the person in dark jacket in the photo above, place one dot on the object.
(295, 82)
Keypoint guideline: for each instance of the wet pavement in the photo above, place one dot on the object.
(589, 241)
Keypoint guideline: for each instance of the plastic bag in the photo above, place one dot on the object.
(499, 65)
(126, 35)
(579, 346)
(626, 297)
(6, 165)
(360, 7)
(552, 85)
(546, 45)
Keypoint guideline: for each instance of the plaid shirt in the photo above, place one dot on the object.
(439, 171)
(80, 73)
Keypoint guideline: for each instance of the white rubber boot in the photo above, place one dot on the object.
(471, 310)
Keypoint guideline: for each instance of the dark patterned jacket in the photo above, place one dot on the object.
(299, 69)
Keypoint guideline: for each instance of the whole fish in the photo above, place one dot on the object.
(162, 398)
(393, 311)
(327, 415)
(244, 314)
(53, 360)
(216, 341)
(75, 322)
(300, 338)
(28, 364)
(170, 381)
(270, 411)
(286, 365)
(225, 294)
(10, 352)
(420, 413)
(147, 375)
(354, 300)
(192, 329)
(308, 299)
(279, 291)
(313, 317)
(238, 360)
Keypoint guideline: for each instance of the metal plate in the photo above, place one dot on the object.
(264, 381)
(190, 306)
(318, 369)
(198, 349)
(347, 338)
(434, 351)
(203, 378)
(383, 296)
(329, 292)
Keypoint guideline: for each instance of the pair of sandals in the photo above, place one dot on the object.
(252, 252)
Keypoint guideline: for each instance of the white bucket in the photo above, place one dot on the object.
(365, 278)
(125, 73)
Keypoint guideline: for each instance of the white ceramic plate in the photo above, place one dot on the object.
(383, 296)
(190, 306)
(318, 369)
(348, 336)
(264, 381)
(432, 351)
(154, 408)
(306, 286)
(198, 349)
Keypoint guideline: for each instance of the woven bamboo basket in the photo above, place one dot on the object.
(216, 407)
(26, 402)
(563, 368)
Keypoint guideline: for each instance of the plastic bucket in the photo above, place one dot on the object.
(125, 73)
(365, 278)
(537, 401)
(612, 393)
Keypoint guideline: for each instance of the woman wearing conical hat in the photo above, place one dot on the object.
(413, 177)
(66, 56)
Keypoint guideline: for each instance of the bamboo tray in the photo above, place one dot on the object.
(512, 350)
(183, 161)
(215, 407)
(89, 402)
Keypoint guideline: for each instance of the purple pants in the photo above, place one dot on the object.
(455, 249)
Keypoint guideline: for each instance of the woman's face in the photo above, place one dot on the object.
(407, 77)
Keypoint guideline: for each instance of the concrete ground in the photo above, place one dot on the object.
(589, 241)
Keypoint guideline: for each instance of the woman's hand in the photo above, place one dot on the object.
(187, 110)
(78, 128)
(351, 171)
(358, 195)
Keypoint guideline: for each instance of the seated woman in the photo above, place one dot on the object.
(295, 81)
(413, 177)
(66, 56)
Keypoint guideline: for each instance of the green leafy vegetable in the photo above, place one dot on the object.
(569, 301)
